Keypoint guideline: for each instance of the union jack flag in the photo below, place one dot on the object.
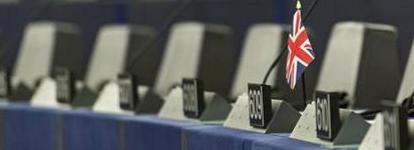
(300, 51)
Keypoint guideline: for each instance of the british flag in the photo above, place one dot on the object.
(300, 51)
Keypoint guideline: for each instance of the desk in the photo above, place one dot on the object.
(153, 133)
(26, 128)
(282, 141)
(85, 130)
(219, 138)
(29, 128)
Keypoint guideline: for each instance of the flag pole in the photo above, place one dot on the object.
(299, 6)
(304, 89)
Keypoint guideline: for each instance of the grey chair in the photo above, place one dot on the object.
(262, 45)
(45, 45)
(361, 60)
(407, 83)
(196, 50)
(114, 44)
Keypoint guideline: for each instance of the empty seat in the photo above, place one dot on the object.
(262, 45)
(113, 46)
(407, 84)
(46, 44)
(197, 50)
(361, 60)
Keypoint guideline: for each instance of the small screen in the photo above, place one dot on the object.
(64, 85)
(327, 115)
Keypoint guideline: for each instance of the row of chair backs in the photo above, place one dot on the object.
(361, 58)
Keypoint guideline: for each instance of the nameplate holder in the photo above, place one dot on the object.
(389, 130)
(352, 130)
(65, 85)
(46, 95)
(126, 96)
(327, 115)
(193, 97)
(128, 92)
(260, 109)
(374, 139)
(283, 118)
(216, 107)
(109, 100)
